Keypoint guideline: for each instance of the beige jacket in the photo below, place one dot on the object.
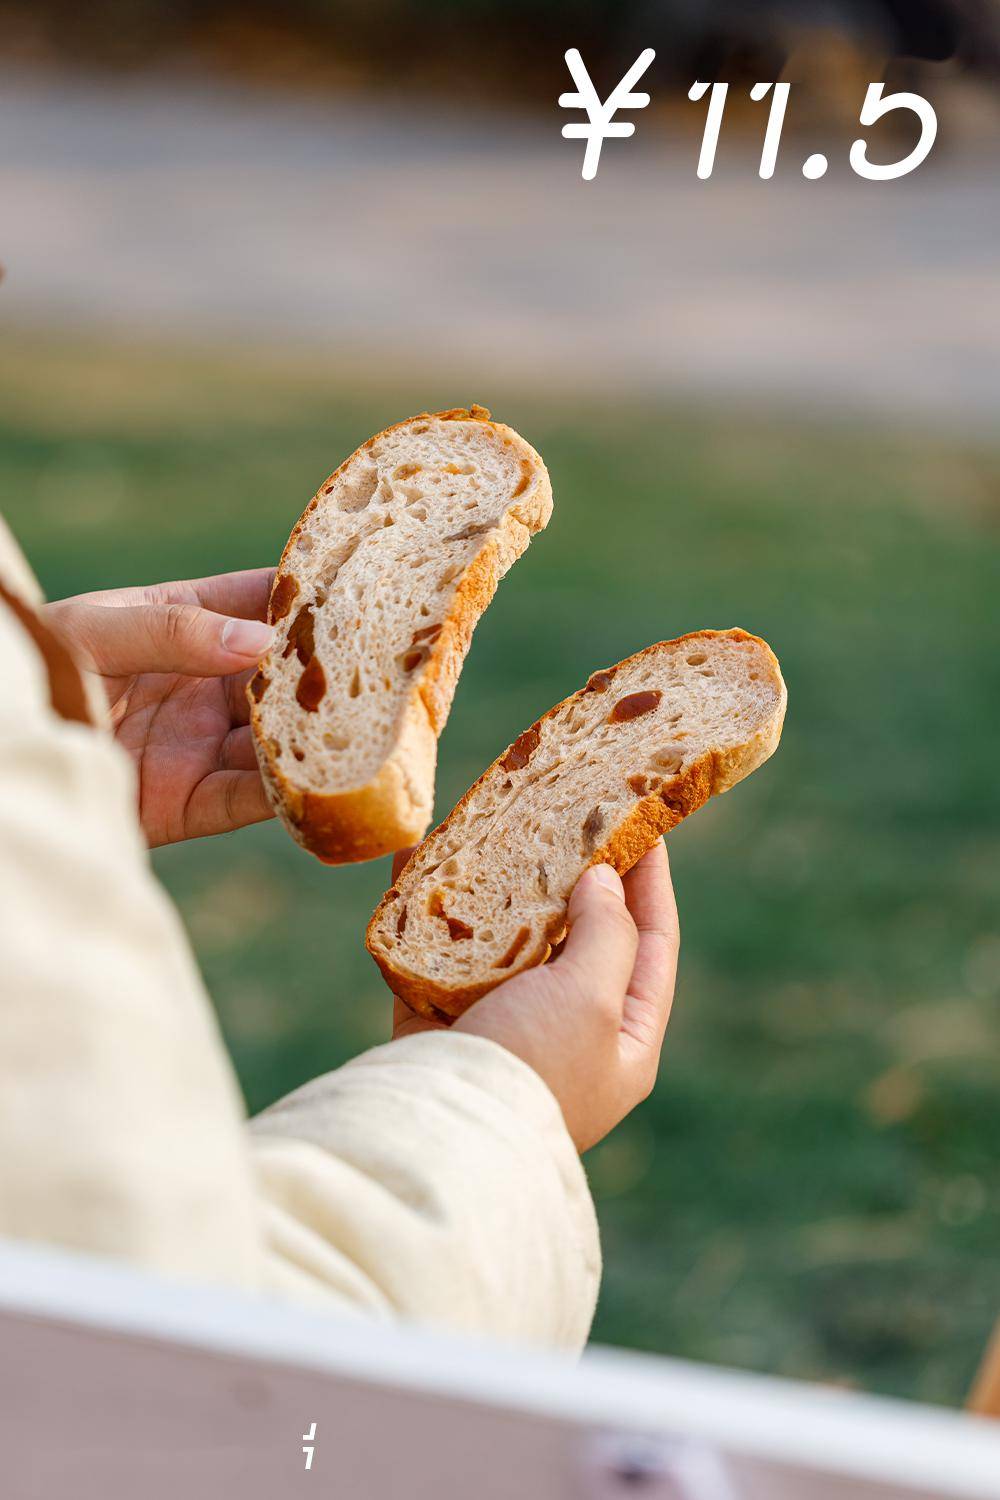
(430, 1179)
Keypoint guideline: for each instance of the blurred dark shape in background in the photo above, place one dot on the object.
(502, 47)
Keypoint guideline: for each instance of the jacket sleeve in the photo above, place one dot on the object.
(432, 1179)
(121, 1127)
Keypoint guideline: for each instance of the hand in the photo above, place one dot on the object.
(591, 1021)
(174, 660)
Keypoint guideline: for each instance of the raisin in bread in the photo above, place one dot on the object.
(598, 779)
(375, 599)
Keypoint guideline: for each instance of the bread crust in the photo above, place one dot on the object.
(394, 809)
(647, 822)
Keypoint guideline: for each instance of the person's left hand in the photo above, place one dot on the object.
(174, 660)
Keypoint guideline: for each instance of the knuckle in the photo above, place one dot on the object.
(180, 626)
(174, 624)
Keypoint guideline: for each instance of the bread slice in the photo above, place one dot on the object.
(598, 779)
(375, 598)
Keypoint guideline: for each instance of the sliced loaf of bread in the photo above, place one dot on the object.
(375, 599)
(598, 779)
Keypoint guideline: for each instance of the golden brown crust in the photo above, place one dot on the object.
(369, 821)
(647, 822)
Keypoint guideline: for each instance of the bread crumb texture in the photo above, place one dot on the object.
(375, 600)
(598, 779)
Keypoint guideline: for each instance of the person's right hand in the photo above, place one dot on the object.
(591, 1022)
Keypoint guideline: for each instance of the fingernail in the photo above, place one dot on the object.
(610, 879)
(247, 637)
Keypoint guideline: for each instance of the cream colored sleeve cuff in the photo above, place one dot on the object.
(433, 1179)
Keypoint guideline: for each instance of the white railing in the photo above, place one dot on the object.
(115, 1384)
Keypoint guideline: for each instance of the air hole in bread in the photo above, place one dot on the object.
(354, 689)
(669, 759)
(472, 530)
(357, 488)
(523, 933)
(486, 935)
(286, 586)
(311, 687)
(305, 543)
(458, 931)
(335, 741)
(299, 754)
(598, 682)
(523, 748)
(592, 825)
(427, 634)
(301, 636)
(635, 705)
(696, 659)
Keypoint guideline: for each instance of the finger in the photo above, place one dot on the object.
(244, 595)
(649, 895)
(224, 801)
(399, 861)
(406, 1022)
(161, 638)
(601, 943)
(237, 752)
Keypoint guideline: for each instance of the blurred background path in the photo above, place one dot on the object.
(469, 243)
(765, 403)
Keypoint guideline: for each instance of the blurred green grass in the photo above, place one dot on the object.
(813, 1189)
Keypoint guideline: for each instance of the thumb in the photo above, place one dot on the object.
(116, 641)
(602, 941)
